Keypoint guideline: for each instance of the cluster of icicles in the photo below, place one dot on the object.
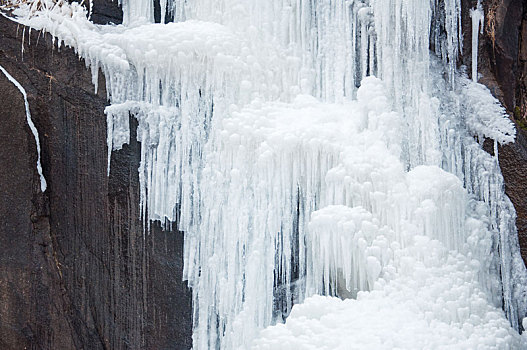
(295, 172)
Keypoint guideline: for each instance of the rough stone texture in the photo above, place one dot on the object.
(109, 11)
(503, 70)
(77, 270)
(520, 110)
(513, 162)
(501, 45)
(106, 11)
(502, 63)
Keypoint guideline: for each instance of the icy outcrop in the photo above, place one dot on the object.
(485, 116)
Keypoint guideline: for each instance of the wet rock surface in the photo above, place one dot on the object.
(513, 163)
(77, 269)
(106, 12)
(502, 64)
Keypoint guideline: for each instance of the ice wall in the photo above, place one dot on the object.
(295, 172)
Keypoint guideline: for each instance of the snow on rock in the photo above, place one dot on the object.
(485, 116)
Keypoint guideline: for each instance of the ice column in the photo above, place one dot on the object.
(478, 21)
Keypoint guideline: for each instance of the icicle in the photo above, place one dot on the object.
(137, 12)
(477, 27)
(43, 184)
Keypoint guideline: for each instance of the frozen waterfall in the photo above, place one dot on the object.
(315, 149)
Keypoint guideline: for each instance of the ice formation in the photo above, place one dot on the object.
(316, 148)
(32, 127)
(483, 113)
(478, 20)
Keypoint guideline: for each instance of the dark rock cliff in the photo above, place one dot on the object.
(77, 270)
(106, 11)
(502, 63)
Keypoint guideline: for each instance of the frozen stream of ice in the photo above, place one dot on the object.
(316, 149)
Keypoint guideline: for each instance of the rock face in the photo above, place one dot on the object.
(502, 63)
(105, 12)
(77, 269)
(513, 163)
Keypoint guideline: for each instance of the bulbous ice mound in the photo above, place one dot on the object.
(411, 246)
(427, 287)
(401, 318)
(268, 166)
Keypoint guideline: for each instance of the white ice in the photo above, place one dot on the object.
(32, 127)
(478, 21)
